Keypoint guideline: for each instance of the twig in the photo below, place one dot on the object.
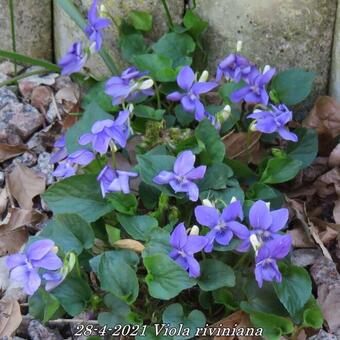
(11, 13)
(79, 321)
(168, 15)
(56, 107)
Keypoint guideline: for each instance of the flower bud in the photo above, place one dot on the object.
(252, 126)
(194, 230)
(92, 48)
(113, 146)
(130, 107)
(239, 46)
(223, 115)
(146, 84)
(256, 244)
(204, 76)
(55, 249)
(268, 205)
(207, 203)
(266, 68)
(233, 199)
(103, 12)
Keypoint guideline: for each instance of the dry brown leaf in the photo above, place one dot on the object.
(3, 200)
(22, 217)
(325, 116)
(129, 244)
(328, 183)
(8, 151)
(11, 240)
(329, 302)
(243, 146)
(300, 239)
(334, 157)
(240, 318)
(69, 98)
(41, 97)
(24, 184)
(10, 317)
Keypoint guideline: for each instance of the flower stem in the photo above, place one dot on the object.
(158, 97)
(168, 16)
(11, 12)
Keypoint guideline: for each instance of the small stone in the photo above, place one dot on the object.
(24, 119)
(324, 271)
(61, 82)
(6, 97)
(3, 77)
(27, 158)
(8, 136)
(52, 112)
(45, 167)
(323, 335)
(8, 68)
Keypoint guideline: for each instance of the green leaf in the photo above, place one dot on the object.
(174, 315)
(159, 66)
(273, 326)
(149, 166)
(280, 170)
(312, 315)
(295, 289)
(216, 177)
(183, 117)
(225, 297)
(175, 46)
(73, 294)
(195, 25)
(113, 234)
(123, 203)
(92, 113)
(165, 279)
(306, 149)
(227, 89)
(70, 232)
(132, 45)
(139, 227)
(241, 170)
(293, 86)
(141, 20)
(158, 243)
(148, 112)
(128, 256)
(43, 305)
(75, 15)
(96, 93)
(149, 195)
(78, 195)
(118, 278)
(209, 139)
(28, 60)
(118, 314)
(265, 192)
(215, 274)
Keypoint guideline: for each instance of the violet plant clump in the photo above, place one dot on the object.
(165, 221)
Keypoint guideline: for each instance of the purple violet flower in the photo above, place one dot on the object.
(95, 26)
(66, 169)
(53, 280)
(255, 90)
(265, 224)
(266, 268)
(213, 120)
(24, 266)
(128, 86)
(184, 248)
(183, 175)
(61, 153)
(190, 99)
(107, 130)
(74, 60)
(222, 226)
(112, 180)
(274, 121)
(236, 67)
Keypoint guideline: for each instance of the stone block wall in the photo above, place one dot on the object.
(33, 24)
(281, 33)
